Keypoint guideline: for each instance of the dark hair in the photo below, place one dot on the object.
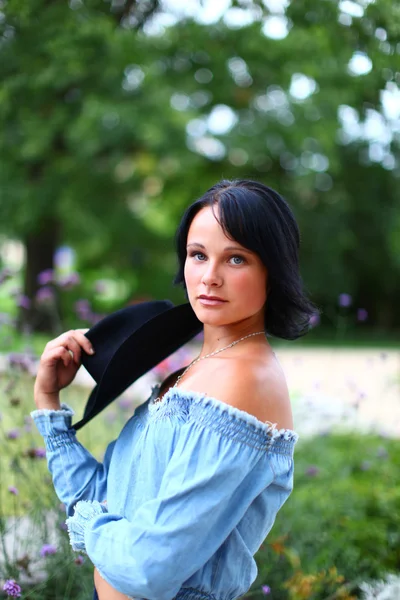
(259, 219)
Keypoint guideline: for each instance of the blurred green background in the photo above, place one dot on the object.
(115, 115)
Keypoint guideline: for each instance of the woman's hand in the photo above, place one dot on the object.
(58, 366)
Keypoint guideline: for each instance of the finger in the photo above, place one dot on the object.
(74, 348)
(64, 340)
(61, 340)
(54, 355)
(84, 342)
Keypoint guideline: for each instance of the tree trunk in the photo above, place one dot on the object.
(40, 247)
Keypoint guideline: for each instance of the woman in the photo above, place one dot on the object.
(198, 474)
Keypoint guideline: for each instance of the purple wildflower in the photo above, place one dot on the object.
(312, 471)
(47, 550)
(13, 490)
(40, 452)
(64, 257)
(45, 277)
(63, 526)
(31, 453)
(69, 281)
(345, 300)
(79, 560)
(23, 301)
(19, 360)
(362, 314)
(45, 294)
(82, 309)
(314, 320)
(13, 434)
(266, 589)
(12, 589)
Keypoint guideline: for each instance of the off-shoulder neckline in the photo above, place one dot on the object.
(267, 427)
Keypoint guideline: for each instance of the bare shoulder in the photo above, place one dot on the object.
(258, 388)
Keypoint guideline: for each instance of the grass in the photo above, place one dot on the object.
(328, 338)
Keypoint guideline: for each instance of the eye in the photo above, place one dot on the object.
(198, 255)
(238, 260)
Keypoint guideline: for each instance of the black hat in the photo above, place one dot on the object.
(130, 342)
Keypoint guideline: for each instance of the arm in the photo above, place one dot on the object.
(209, 483)
(76, 474)
(104, 590)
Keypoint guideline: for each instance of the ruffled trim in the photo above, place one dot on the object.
(203, 408)
(55, 426)
(85, 511)
(65, 411)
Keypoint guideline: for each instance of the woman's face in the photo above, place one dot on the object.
(219, 267)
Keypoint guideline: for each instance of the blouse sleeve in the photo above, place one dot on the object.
(76, 474)
(207, 487)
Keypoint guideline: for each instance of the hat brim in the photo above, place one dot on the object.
(149, 345)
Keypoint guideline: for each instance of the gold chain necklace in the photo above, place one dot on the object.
(196, 360)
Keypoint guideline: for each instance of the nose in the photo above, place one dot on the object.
(211, 276)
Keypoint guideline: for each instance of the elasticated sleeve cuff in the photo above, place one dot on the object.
(85, 511)
(53, 422)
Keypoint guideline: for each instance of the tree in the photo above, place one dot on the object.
(109, 130)
(69, 118)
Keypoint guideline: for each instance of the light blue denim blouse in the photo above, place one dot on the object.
(184, 497)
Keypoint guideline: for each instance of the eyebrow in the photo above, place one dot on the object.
(235, 248)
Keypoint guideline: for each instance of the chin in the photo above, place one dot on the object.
(212, 316)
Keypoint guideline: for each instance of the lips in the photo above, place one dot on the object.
(203, 297)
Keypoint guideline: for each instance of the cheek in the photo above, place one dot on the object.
(189, 274)
(252, 286)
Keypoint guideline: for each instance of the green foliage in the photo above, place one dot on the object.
(94, 110)
(339, 527)
(344, 514)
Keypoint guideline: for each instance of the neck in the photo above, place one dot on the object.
(218, 337)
